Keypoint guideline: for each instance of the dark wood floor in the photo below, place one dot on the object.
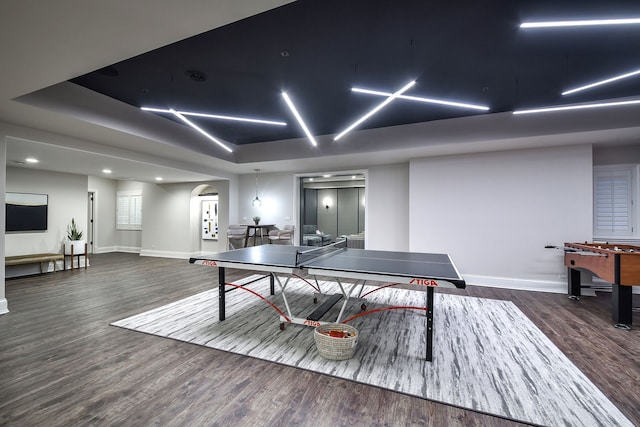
(61, 364)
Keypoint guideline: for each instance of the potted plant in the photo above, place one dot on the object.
(74, 237)
(256, 219)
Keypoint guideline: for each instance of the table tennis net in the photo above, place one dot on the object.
(303, 257)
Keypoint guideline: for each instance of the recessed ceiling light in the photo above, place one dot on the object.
(159, 178)
(31, 160)
(376, 109)
(106, 171)
(580, 23)
(326, 176)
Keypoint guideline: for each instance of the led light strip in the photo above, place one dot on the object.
(581, 23)
(193, 125)
(376, 109)
(602, 82)
(217, 116)
(577, 107)
(299, 118)
(421, 99)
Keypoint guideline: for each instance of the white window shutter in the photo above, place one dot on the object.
(122, 214)
(129, 210)
(136, 210)
(613, 202)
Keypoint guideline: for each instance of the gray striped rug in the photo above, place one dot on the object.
(487, 355)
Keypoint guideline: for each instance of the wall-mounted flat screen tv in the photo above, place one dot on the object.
(26, 212)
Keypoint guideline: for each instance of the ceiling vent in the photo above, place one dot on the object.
(196, 76)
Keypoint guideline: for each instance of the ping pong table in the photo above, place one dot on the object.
(425, 271)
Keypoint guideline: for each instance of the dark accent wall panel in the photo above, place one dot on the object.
(327, 216)
(361, 203)
(310, 206)
(347, 211)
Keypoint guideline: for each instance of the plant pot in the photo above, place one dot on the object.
(78, 247)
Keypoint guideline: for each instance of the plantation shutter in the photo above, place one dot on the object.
(135, 211)
(129, 210)
(613, 202)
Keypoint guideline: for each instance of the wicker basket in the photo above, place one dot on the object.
(336, 348)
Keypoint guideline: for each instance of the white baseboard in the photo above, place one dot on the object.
(105, 250)
(127, 249)
(166, 254)
(559, 287)
(110, 249)
(4, 307)
(517, 284)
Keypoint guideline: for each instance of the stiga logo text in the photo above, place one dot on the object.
(424, 282)
(209, 263)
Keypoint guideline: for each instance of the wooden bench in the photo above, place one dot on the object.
(33, 259)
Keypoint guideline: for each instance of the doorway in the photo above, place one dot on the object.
(331, 205)
(90, 221)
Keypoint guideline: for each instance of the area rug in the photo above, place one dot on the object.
(487, 355)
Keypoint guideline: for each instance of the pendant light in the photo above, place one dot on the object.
(256, 203)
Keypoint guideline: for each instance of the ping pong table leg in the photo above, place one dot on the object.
(221, 292)
(272, 286)
(429, 330)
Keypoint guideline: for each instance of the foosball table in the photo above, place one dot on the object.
(615, 263)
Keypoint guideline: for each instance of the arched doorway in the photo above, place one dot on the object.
(209, 217)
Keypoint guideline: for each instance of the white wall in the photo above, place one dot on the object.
(275, 190)
(4, 308)
(234, 200)
(166, 225)
(67, 199)
(387, 208)
(616, 155)
(130, 240)
(171, 215)
(495, 212)
(105, 238)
